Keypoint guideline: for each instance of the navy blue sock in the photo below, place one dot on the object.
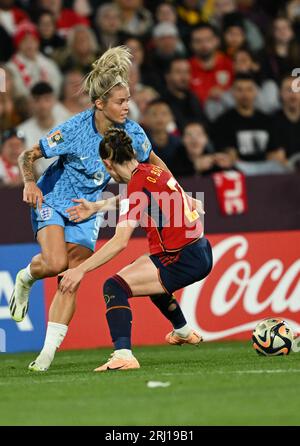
(170, 308)
(119, 317)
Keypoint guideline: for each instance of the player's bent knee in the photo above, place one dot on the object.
(116, 292)
(56, 266)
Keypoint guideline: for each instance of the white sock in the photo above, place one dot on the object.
(27, 277)
(54, 337)
(124, 353)
(183, 332)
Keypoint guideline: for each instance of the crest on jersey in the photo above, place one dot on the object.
(146, 145)
(55, 138)
(222, 77)
(46, 213)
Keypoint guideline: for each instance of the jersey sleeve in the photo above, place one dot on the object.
(58, 141)
(140, 143)
(134, 201)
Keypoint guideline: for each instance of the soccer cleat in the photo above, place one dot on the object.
(18, 304)
(117, 363)
(194, 338)
(41, 363)
(35, 367)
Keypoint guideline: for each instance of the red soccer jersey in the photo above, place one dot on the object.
(202, 81)
(159, 204)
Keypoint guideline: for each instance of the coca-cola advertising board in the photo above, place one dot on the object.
(255, 275)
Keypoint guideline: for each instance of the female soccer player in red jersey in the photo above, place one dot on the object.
(179, 254)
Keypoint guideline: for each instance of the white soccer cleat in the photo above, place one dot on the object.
(18, 304)
(41, 364)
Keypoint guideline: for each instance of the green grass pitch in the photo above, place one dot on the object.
(222, 383)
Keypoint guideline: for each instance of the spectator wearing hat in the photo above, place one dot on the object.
(47, 114)
(211, 70)
(29, 65)
(166, 46)
(12, 146)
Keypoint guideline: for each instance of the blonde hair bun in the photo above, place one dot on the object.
(111, 69)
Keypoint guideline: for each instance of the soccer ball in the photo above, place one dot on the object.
(272, 337)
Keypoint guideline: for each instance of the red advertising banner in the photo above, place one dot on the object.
(255, 275)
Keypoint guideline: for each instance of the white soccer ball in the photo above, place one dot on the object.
(272, 337)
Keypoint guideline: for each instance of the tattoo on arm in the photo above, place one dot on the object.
(26, 160)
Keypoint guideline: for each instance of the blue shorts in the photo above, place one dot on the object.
(84, 233)
(180, 269)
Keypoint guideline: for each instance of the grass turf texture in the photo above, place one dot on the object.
(223, 383)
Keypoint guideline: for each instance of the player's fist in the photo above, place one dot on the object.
(33, 195)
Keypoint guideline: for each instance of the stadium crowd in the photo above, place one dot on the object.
(213, 82)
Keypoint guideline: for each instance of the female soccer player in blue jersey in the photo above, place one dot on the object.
(179, 253)
(78, 172)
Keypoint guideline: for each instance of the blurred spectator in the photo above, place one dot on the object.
(45, 117)
(12, 146)
(166, 46)
(254, 10)
(223, 7)
(49, 39)
(283, 52)
(147, 72)
(212, 71)
(284, 146)
(65, 18)
(136, 20)
(196, 155)
(293, 10)
(142, 98)
(74, 99)
(10, 17)
(13, 109)
(165, 12)
(234, 35)
(107, 26)
(159, 122)
(183, 103)
(81, 50)
(28, 65)
(243, 132)
(267, 99)
(189, 15)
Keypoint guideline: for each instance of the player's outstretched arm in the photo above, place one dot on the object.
(72, 277)
(31, 194)
(85, 209)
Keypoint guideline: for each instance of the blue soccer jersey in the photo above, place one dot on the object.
(79, 172)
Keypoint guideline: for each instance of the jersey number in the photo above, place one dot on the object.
(174, 186)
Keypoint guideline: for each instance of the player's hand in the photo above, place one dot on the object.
(70, 280)
(84, 210)
(33, 195)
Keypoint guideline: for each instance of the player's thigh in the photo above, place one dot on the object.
(52, 242)
(142, 277)
(77, 254)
